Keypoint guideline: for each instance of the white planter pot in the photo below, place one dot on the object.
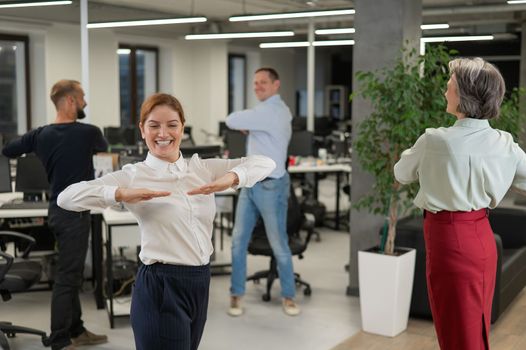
(386, 285)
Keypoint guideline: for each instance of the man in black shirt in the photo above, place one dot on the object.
(66, 148)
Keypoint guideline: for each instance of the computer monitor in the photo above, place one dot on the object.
(31, 178)
(301, 144)
(113, 135)
(235, 143)
(204, 151)
(5, 175)
(130, 135)
(126, 135)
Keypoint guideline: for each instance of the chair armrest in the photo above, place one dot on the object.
(5, 267)
(31, 241)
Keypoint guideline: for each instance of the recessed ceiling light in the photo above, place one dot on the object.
(306, 44)
(148, 22)
(11, 4)
(439, 39)
(238, 35)
(285, 15)
(334, 31)
(434, 26)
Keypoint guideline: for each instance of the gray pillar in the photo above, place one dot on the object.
(522, 77)
(382, 28)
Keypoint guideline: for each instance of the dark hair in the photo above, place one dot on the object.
(63, 88)
(161, 99)
(271, 73)
(480, 87)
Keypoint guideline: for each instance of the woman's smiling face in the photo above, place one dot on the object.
(163, 131)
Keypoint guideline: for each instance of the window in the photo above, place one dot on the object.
(15, 109)
(236, 82)
(138, 77)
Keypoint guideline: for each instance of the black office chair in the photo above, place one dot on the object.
(17, 275)
(259, 245)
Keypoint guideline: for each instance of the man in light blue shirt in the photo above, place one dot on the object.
(268, 126)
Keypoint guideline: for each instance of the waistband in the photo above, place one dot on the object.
(450, 216)
(176, 269)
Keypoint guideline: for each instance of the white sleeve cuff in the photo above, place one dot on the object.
(242, 176)
(109, 194)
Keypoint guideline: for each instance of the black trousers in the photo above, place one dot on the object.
(169, 306)
(71, 230)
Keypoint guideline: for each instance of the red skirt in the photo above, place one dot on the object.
(461, 265)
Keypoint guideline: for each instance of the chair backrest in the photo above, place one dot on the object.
(295, 218)
(235, 143)
(17, 275)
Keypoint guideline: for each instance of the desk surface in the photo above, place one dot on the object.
(326, 168)
(18, 213)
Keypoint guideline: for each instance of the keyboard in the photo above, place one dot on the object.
(25, 205)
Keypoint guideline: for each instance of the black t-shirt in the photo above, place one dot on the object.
(66, 150)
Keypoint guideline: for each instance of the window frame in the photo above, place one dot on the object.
(25, 40)
(134, 113)
(245, 64)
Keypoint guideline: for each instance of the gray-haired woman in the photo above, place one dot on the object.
(463, 170)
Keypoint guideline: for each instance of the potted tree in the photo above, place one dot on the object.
(406, 99)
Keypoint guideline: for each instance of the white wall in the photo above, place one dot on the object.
(104, 100)
(62, 52)
(283, 61)
(201, 81)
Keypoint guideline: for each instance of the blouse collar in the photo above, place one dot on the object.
(158, 164)
(473, 123)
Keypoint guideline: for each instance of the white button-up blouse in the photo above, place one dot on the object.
(468, 166)
(176, 229)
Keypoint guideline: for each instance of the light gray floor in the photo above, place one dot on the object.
(328, 315)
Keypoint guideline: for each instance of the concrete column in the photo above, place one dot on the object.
(522, 77)
(382, 28)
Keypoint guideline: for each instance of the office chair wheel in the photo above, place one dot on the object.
(265, 297)
(256, 281)
(307, 292)
(10, 334)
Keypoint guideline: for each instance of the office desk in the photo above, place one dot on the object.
(96, 238)
(112, 218)
(337, 169)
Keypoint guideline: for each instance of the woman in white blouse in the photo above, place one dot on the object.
(463, 170)
(170, 198)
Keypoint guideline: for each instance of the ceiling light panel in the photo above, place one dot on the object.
(13, 4)
(149, 22)
(238, 35)
(285, 15)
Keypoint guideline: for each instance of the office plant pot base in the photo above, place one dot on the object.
(386, 284)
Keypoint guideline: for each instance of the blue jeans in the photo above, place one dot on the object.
(268, 198)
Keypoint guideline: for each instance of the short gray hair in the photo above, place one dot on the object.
(480, 87)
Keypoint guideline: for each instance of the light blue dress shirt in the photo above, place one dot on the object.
(269, 126)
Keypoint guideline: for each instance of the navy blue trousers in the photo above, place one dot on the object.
(71, 232)
(169, 306)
